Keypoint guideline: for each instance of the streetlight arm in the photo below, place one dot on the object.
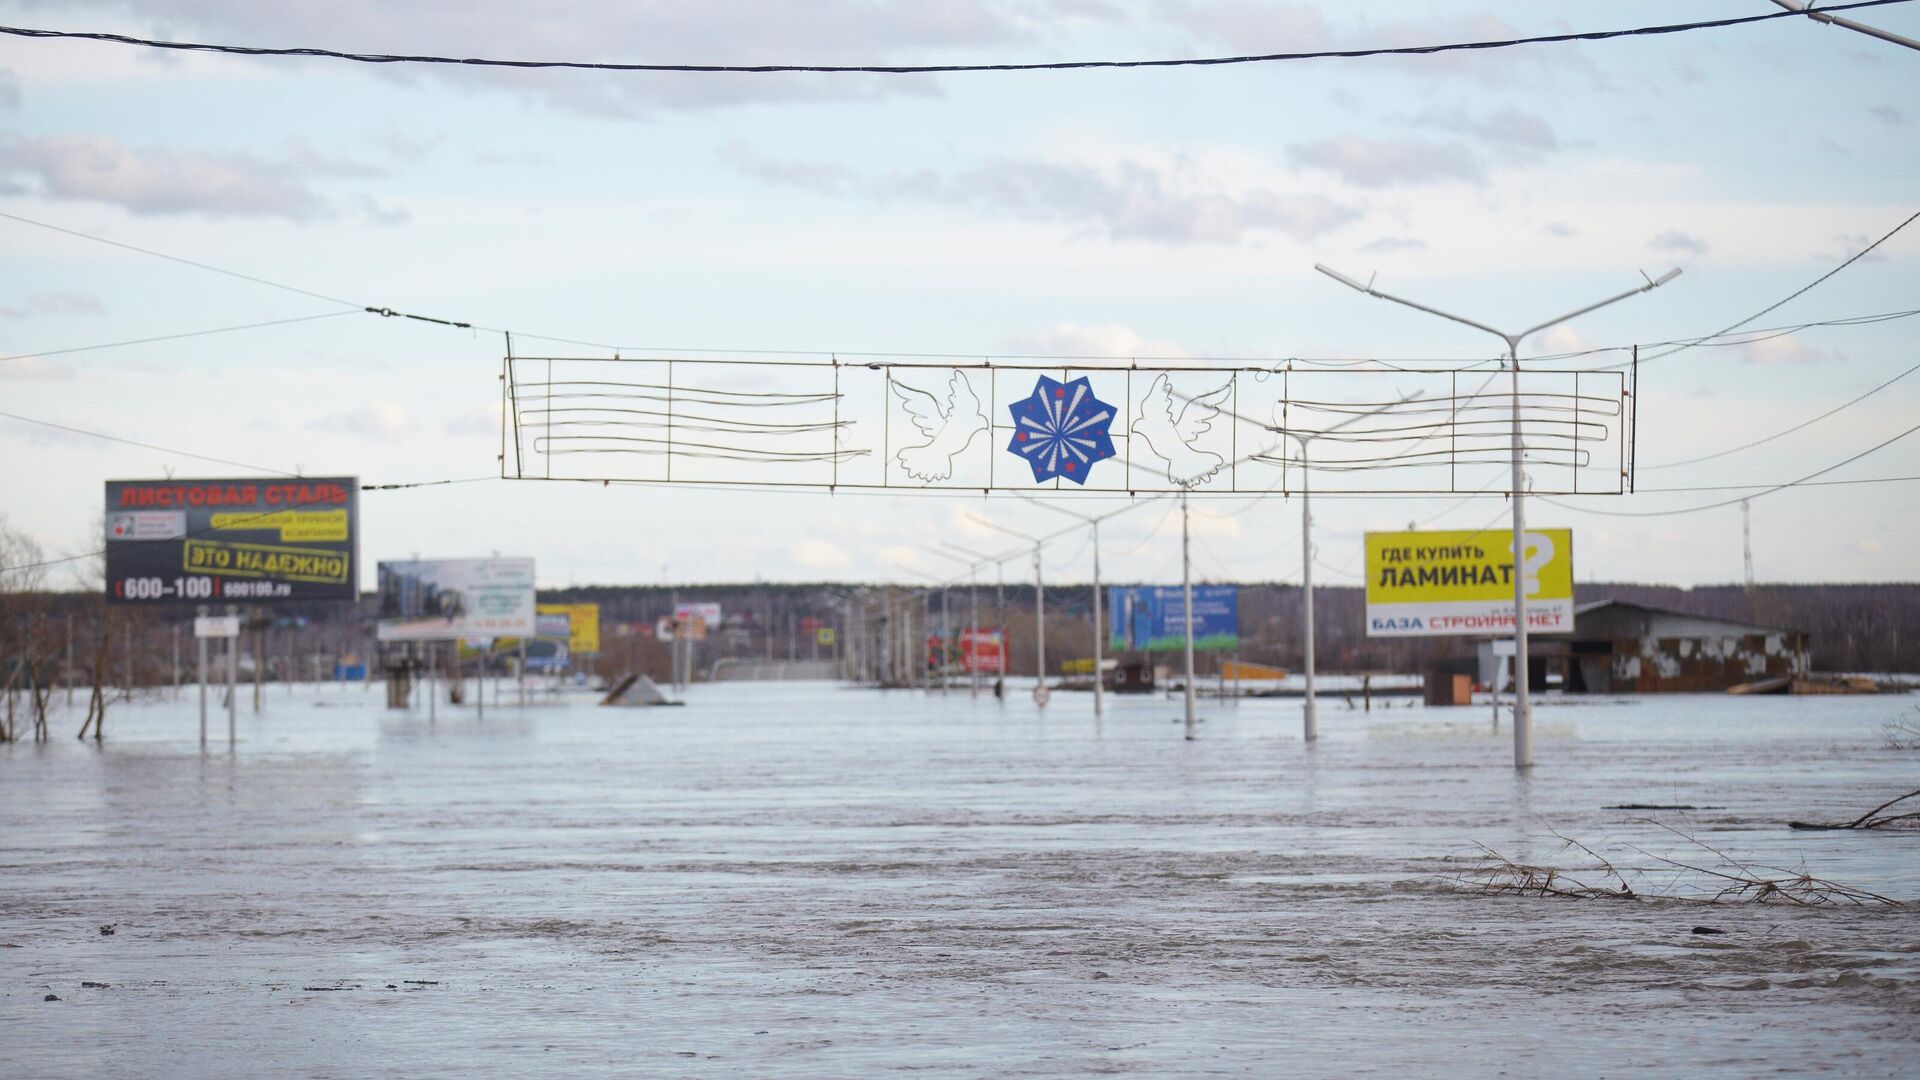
(1371, 291)
(1835, 20)
(978, 520)
(1635, 291)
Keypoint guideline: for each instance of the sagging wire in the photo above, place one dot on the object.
(1784, 431)
(1745, 498)
(304, 52)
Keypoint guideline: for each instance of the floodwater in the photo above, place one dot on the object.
(805, 880)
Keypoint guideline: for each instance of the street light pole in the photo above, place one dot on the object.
(1522, 703)
(1099, 629)
(1186, 589)
(1039, 609)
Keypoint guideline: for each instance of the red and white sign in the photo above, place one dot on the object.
(983, 650)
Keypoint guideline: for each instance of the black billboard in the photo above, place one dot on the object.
(238, 541)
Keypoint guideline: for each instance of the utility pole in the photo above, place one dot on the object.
(1522, 704)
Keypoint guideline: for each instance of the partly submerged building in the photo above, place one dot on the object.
(1624, 648)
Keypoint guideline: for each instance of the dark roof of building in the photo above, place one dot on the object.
(1648, 609)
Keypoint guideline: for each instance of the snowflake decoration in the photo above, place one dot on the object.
(1061, 429)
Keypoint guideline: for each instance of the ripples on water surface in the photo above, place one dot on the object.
(802, 880)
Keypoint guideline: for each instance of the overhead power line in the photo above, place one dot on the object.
(1783, 301)
(174, 337)
(1729, 502)
(930, 69)
(1784, 431)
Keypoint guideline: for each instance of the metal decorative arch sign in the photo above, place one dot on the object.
(1061, 430)
(968, 428)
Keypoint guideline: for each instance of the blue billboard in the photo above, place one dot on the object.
(1153, 617)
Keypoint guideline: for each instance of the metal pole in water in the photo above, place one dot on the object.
(202, 643)
(1039, 629)
(176, 663)
(1186, 587)
(1099, 633)
(233, 680)
(1310, 720)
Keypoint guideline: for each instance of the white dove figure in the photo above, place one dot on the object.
(1171, 428)
(948, 430)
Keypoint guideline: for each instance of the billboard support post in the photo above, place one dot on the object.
(522, 673)
(202, 644)
(233, 679)
(1522, 703)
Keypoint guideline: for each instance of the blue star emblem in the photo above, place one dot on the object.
(1061, 429)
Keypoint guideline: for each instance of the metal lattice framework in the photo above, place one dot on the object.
(1022, 427)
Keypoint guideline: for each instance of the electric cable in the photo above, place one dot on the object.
(1796, 294)
(1730, 502)
(930, 69)
(174, 337)
(1783, 431)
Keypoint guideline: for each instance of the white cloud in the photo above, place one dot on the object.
(1785, 350)
(817, 554)
(1110, 339)
(379, 419)
(1387, 245)
(9, 89)
(1128, 200)
(1512, 130)
(34, 369)
(55, 303)
(1682, 242)
(1373, 163)
(155, 180)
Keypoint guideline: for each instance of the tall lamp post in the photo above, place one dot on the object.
(1310, 723)
(1099, 629)
(1039, 609)
(973, 617)
(1522, 704)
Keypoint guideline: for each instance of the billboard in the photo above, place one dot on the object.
(249, 540)
(583, 625)
(983, 650)
(1425, 584)
(1153, 617)
(440, 599)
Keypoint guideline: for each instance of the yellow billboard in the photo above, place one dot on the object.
(583, 625)
(1421, 584)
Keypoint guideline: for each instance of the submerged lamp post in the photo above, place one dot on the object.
(1522, 705)
(1039, 609)
(1310, 722)
(1099, 630)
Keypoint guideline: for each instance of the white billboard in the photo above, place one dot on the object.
(444, 599)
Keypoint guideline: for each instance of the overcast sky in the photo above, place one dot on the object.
(1163, 213)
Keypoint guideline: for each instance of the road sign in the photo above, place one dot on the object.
(216, 626)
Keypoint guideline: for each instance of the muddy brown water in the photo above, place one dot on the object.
(805, 880)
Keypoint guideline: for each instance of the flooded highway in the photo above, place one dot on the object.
(806, 880)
